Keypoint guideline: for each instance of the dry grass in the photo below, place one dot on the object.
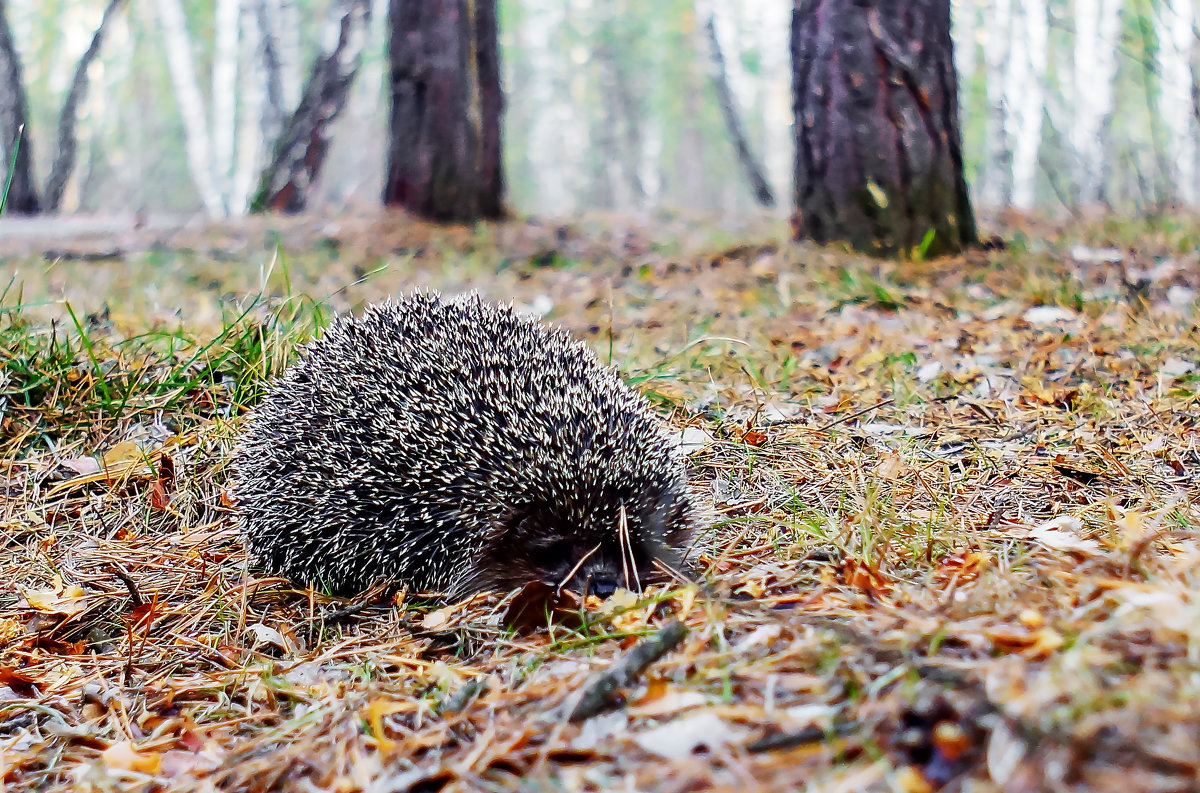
(956, 542)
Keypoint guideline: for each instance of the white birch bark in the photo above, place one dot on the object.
(1175, 28)
(226, 21)
(554, 132)
(1097, 34)
(995, 170)
(250, 115)
(966, 38)
(287, 37)
(182, 69)
(1024, 97)
(774, 35)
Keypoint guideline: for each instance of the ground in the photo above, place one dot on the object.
(953, 542)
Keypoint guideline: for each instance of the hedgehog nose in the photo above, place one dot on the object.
(601, 587)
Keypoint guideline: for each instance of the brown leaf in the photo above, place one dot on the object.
(19, 682)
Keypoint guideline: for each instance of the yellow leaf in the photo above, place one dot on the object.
(124, 757)
(123, 453)
(66, 600)
(376, 710)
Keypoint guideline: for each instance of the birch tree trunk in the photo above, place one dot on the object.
(285, 15)
(1175, 28)
(444, 153)
(995, 172)
(1097, 36)
(64, 158)
(965, 16)
(182, 69)
(226, 21)
(250, 121)
(14, 117)
(879, 161)
(1024, 92)
(267, 16)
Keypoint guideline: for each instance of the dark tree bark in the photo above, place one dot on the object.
(64, 159)
(879, 159)
(14, 135)
(751, 166)
(286, 183)
(444, 146)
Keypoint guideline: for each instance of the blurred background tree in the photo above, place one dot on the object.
(610, 104)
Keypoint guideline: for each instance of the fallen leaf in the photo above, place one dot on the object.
(123, 453)
(124, 757)
(693, 439)
(19, 682)
(83, 466)
(1062, 534)
(890, 467)
(1049, 315)
(1175, 367)
(264, 634)
(65, 600)
(680, 738)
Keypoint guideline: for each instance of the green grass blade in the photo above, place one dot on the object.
(12, 169)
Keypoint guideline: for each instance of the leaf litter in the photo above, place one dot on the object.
(953, 541)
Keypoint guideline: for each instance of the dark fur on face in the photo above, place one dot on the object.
(586, 550)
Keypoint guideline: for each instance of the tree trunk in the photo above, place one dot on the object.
(444, 145)
(287, 181)
(226, 19)
(273, 110)
(1175, 28)
(1097, 34)
(182, 68)
(879, 160)
(995, 171)
(251, 121)
(750, 164)
(14, 140)
(1024, 91)
(64, 159)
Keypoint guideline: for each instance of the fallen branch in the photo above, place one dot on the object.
(601, 689)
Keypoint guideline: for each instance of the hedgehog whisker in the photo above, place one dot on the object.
(628, 561)
(571, 573)
(679, 577)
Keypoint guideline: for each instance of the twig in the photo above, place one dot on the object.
(809, 735)
(601, 689)
(135, 597)
(852, 416)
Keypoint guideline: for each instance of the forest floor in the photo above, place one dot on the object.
(957, 544)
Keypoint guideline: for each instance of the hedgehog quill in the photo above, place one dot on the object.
(454, 446)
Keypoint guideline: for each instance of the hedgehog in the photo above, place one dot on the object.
(456, 446)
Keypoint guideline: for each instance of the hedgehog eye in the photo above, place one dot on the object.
(552, 553)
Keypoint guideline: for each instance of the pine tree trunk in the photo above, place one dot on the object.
(879, 160)
(14, 135)
(444, 145)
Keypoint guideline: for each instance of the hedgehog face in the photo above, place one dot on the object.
(589, 554)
